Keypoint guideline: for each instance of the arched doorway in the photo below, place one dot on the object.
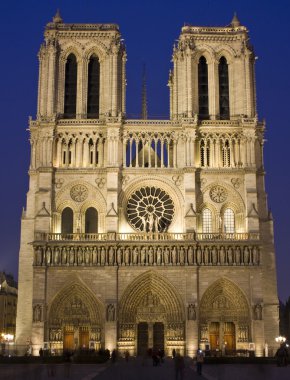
(224, 317)
(75, 320)
(151, 316)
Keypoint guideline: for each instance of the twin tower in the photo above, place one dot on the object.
(140, 233)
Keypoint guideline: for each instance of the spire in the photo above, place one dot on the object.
(235, 21)
(57, 18)
(144, 114)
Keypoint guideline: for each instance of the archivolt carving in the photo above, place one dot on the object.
(154, 291)
(75, 305)
(223, 299)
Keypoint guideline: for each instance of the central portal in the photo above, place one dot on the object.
(150, 335)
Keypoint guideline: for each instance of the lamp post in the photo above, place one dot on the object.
(280, 339)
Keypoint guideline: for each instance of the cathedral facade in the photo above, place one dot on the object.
(146, 233)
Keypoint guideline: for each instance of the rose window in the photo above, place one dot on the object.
(218, 194)
(150, 209)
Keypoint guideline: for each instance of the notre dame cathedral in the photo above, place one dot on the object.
(147, 233)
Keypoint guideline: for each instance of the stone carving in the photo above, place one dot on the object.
(150, 209)
(236, 182)
(58, 182)
(100, 182)
(177, 179)
(111, 313)
(95, 334)
(55, 335)
(258, 312)
(125, 180)
(243, 333)
(191, 312)
(127, 332)
(146, 255)
(79, 193)
(218, 194)
(37, 313)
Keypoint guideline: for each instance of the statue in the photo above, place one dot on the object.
(37, 313)
(159, 256)
(166, 256)
(258, 312)
(238, 256)
(255, 256)
(214, 256)
(48, 256)
(198, 255)
(80, 256)
(206, 254)
(144, 223)
(181, 256)
(87, 256)
(71, 256)
(230, 256)
(135, 256)
(222, 255)
(173, 255)
(56, 255)
(191, 312)
(127, 256)
(119, 256)
(39, 256)
(111, 313)
(64, 256)
(151, 222)
(103, 256)
(95, 256)
(150, 256)
(143, 255)
(190, 255)
(156, 224)
(111, 255)
(246, 255)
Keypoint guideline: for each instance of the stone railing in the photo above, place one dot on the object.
(140, 237)
(127, 253)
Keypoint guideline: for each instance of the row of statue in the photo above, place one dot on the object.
(146, 255)
(56, 335)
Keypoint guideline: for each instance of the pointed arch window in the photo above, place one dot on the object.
(91, 221)
(70, 92)
(203, 89)
(224, 98)
(93, 104)
(226, 154)
(67, 221)
(229, 221)
(206, 221)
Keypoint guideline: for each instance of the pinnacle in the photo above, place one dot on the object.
(57, 18)
(235, 21)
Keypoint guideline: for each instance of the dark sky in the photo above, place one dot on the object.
(149, 29)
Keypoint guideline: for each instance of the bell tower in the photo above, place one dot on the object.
(213, 73)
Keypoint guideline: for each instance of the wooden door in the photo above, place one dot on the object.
(214, 334)
(229, 336)
(84, 339)
(158, 336)
(68, 341)
(142, 344)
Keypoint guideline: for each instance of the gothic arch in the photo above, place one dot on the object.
(223, 299)
(206, 51)
(227, 52)
(151, 282)
(99, 50)
(91, 311)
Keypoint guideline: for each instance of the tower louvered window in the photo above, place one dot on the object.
(93, 88)
(70, 95)
(203, 89)
(224, 89)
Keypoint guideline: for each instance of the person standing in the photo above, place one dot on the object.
(179, 366)
(199, 360)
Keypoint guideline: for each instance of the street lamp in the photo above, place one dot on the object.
(280, 339)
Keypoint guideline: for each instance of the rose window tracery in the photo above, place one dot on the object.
(79, 193)
(218, 194)
(150, 209)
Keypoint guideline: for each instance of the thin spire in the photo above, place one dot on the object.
(144, 114)
(57, 18)
(235, 21)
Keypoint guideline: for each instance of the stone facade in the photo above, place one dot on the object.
(147, 233)
(8, 304)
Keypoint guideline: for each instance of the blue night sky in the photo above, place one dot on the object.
(149, 29)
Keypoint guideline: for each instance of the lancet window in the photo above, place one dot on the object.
(70, 93)
(203, 88)
(206, 221)
(229, 221)
(67, 221)
(224, 99)
(93, 88)
(91, 221)
(226, 153)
